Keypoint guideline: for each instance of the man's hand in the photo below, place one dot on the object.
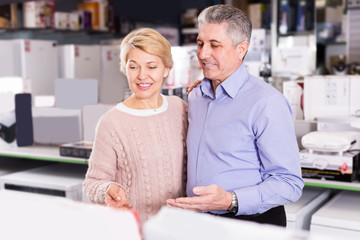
(197, 82)
(210, 198)
(115, 196)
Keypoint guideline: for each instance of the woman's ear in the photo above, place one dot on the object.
(166, 72)
(242, 49)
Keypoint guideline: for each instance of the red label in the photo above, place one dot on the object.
(108, 54)
(344, 167)
(77, 51)
(27, 46)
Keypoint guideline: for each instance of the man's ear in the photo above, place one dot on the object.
(242, 49)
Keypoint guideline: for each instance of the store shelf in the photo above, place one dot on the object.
(352, 186)
(46, 153)
(330, 43)
(53, 30)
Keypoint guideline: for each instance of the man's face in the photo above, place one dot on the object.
(216, 54)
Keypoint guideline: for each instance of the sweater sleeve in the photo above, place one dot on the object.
(102, 164)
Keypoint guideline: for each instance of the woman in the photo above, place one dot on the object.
(138, 157)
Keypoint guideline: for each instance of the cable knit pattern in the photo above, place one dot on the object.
(145, 155)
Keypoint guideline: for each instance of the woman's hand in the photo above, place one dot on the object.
(197, 82)
(115, 196)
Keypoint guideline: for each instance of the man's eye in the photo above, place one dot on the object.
(214, 46)
(152, 67)
(200, 45)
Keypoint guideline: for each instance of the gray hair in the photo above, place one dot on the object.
(238, 23)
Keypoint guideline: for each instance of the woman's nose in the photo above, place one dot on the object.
(142, 73)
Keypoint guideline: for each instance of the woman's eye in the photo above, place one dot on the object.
(153, 67)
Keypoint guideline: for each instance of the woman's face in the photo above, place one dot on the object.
(145, 73)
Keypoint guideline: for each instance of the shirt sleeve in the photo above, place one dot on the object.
(278, 153)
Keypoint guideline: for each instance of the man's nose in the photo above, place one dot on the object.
(204, 52)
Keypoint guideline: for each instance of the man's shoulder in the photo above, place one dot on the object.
(259, 86)
(195, 92)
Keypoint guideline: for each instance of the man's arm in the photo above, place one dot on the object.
(279, 160)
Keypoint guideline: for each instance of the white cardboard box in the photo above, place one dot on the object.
(330, 166)
(179, 224)
(56, 125)
(59, 179)
(75, 93)
(340, 217)
(113, 83)
(299, 213)
(34, 216)
(79, 61)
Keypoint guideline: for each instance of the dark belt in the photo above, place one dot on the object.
(233, 215)
(275, 216)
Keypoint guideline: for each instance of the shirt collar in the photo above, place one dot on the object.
(230, 86)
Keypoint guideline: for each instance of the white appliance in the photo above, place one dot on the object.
(299, 213)
(293, 92)
(64, 180)
(7, 59)
(179, 75)
(178, 224)
(34, 216)
(347, 124)
(354, 95)
(326, 96)
(113, 83)
(325, 141)
(56, 125)
(33, 60)
(303, 127)
(258, 52)
(75, 93)
(9, 87)
(340, 217)
(79, 61)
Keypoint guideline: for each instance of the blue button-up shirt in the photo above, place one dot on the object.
(242, 139)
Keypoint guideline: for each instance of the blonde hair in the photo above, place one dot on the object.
(149, 41)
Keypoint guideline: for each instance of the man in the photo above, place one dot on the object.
(243, 159)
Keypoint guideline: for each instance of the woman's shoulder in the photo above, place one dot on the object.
(109, 116)
(176, 101)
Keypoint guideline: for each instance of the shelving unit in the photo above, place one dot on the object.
(352, 186)
(44, 153)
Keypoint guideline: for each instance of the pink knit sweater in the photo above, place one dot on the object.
(145, 155)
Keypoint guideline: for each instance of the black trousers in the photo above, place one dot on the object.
(274, 216)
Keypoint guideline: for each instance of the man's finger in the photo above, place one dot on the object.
(191, 200)
(203, 190)
(185, 206)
